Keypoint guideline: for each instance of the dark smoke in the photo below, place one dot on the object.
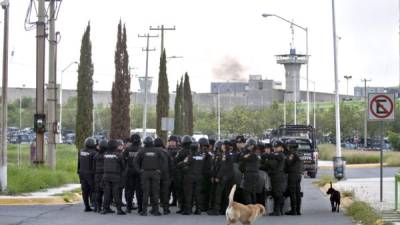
(229, 69)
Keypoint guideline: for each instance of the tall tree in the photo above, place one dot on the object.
(120, 118)
(84, 116)
(187, 107)
(162, 96)
(178, 109)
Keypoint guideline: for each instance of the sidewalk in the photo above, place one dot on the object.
(44, 197)
(326, 164)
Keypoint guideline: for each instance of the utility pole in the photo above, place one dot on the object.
(337, 98)
(162, 29)
(147, 50)
(40, 117)
(3, 160)
(366, 111)
(51, 88)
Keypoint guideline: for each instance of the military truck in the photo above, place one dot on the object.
(305, 138)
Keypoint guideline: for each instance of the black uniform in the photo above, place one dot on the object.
(166, 168)
(179, 175)
(275, 165)
(251, 166)
(224, 179)
(149, 160)
(86, 174)
(172, 153)
(113, 169)
(132, 179)
(98, 177)
(294, 169)
(192, 180)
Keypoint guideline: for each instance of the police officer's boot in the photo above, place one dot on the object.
(213, 212)
(298, 207)
(293, 205)
(166, 211)
(143, 212)
(197, 211)
(120, 212)
(155, 211)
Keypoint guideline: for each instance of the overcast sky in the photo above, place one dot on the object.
(213, 33)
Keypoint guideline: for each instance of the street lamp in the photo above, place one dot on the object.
(20, 125)
(61, 93)
(265, 15)
(347, 84)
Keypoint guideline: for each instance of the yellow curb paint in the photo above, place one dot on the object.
(35, 201)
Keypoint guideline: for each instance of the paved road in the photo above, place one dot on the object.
(364, 172)
(316, 211)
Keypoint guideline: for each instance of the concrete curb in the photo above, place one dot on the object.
(56, 200)
(355, 166)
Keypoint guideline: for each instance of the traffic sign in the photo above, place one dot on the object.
(381, 107)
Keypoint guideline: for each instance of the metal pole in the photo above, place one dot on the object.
(51, 89)
(337, 99)
(365, 113)
(295, 100)
(381, 164)
(314, 111)
(308, 91)
(145, 89)
(219, 113)
(40, 64)
(20, 127)
(61, 94)
(3, 160)
(284, 108)
(93, 116)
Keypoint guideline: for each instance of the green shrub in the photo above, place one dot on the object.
(325, 179)
(362, 213)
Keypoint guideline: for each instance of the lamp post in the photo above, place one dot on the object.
(265, 15)
(20, 125)
(347, 84)
(61, 94)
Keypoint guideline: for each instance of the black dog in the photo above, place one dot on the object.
(335, 198)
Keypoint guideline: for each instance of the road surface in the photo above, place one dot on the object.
(364, 172)
(316, 210)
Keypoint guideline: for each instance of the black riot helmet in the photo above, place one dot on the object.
(203, 142)
(186, 140)
(158, 143)
(103, 144)
(292, 144)
(218, 145)
(90, 142)
(260, 145)
(251, 141)
(173, 138)
(135, 139)
(113, 145)
(227, 142)
(278, 143)
(148, 141)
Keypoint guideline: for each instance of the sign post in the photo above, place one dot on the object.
(381, 107)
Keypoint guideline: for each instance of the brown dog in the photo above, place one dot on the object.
(246, 214)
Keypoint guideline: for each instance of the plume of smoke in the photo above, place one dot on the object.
(229, 69)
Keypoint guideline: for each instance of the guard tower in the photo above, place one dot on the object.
(292, 63)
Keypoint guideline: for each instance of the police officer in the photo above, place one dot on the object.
(237, 150)
(250, 168)
(294, 169)
(181, 169)
(112, 178)
(165, 175)
(86, 171)
(192, 179)
(275, 165)
(207, 173)
(132, 182)
(150, 163)
(98, 161)
(172, 152)
(215, 155)
(224, 178)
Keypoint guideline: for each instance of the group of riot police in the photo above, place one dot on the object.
(195, 176)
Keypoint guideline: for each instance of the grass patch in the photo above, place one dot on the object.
(347, 194)
(362, 213)
(325, 179)
(327, 152)
(27, 178)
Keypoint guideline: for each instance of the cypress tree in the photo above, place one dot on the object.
(178, 109)
(84, 116)
(120, 118)
(187, 107)
(162, 106)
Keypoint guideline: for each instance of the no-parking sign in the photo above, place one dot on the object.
(381, 107)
